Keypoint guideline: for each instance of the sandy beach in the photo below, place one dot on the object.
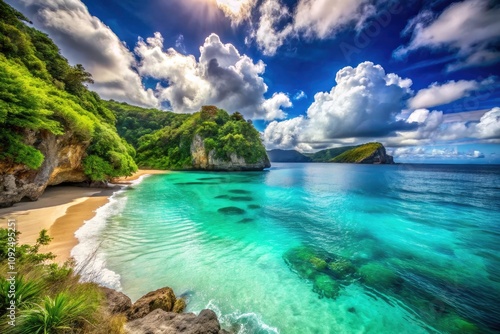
(62, 210)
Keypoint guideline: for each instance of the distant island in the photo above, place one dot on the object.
(369, 153)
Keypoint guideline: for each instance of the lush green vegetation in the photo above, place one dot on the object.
(163, 139)
(358, 153)
(41, 93)
(133, 122)
(328, 154)
(48, 297)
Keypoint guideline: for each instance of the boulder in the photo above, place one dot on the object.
(162, 322)
(163, 299)
(117, 302)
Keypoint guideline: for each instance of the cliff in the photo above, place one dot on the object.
(210, 139)
(62, 162)
(207, 159)
(370, 153)
(52, 128)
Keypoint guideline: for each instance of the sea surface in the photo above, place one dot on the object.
(311, 248)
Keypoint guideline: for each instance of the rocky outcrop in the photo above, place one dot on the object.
(161, 322)
(62, 163)
(163, 299)
(208, 160)
(160, 311)
(379, 156)
(117, 302)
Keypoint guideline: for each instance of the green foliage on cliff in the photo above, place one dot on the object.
(133, 122)
(41, 93)
(329, 154)
(358, 153)
(163, 139)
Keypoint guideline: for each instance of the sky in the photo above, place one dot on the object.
(421, 77)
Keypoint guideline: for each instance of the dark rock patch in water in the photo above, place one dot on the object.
(246, 221)
(193, 183)
(241, 198)
(254, 206)
(231, 211)
(222, 196)
(211, 178)
(239, 191)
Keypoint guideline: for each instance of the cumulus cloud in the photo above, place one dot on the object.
(471, 28)
(437, 94)
(274, 105)
(222, 77)
(84, 39)
(435, 127)
(365, 102)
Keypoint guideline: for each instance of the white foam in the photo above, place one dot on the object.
(90, 259)
(248, 322)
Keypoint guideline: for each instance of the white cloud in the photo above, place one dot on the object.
(437, 94)
(267, 36)
(284, 134)
(365, 102)
(84, 39)
(435, 127)
(237, 10)
(274, 105)
(300, 95)
(222, 77)
(435, 153)
(312, 19)
(470, 27)
(322, 18)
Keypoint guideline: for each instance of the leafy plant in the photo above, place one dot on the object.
(60, 314)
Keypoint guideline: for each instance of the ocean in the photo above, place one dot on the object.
(311, 248)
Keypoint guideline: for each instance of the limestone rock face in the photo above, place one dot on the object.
(208, 161)
(62, 163)
(117, 301)
(379, 156)
(161, 322)
(163, 299)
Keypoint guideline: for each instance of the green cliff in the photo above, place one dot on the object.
(52, 128)
(210, 139)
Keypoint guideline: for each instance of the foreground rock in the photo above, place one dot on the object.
(161, 322)
(163, 299)
(117, 302)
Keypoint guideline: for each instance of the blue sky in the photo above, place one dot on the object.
(419, 76)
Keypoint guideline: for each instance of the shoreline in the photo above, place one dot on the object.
(62, 210)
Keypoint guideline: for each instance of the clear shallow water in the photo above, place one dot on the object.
(422, 244)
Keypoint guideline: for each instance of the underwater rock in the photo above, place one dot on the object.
(231, 210)
(341, 268)
(241, 198)
(222, 196)
(239, 191)
(453, 323)
(254, 206)
(245, 221)
(325, 286)
(379, 276)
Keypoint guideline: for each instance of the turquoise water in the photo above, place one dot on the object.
(420, 244)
